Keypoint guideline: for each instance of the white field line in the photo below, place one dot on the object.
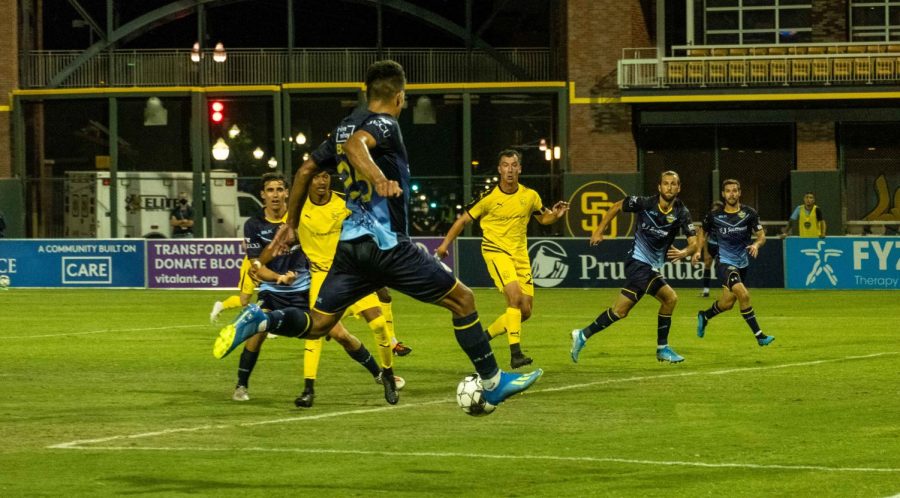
(102, 331)
(475, 456)
(77, 444)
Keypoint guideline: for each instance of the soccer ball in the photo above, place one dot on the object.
(470, 397)
(4, 281)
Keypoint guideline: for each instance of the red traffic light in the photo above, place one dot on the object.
(217, 114)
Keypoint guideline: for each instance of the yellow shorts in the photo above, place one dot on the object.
(246, 285)
(504, 269)
(316, 279)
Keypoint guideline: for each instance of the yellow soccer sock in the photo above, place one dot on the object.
(388, 315)
(498, 327)
(311, 355)
(513, 325)
(231, 302)
(385, 350)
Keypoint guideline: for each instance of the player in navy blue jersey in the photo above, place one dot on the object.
(367, 152)
(283, 294)
(710, 250)
(733, 226)
(660, 218)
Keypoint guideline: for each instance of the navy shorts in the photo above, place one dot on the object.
(730, 275)
(361, 268)
(641, 279)
(280, 300)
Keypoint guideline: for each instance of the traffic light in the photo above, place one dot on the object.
(216, 111)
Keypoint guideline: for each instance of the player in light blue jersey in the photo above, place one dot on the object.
(660, 218)
(367, 152)
(733, 225)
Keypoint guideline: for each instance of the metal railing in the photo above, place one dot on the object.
(123, 68)
(801, 69)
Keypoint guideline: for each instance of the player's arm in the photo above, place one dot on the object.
(611, 213)
(452, 234)
(821, 223)
(357, 151)
(549, 216)
(267, 275)
(287, 233)
(753, 249)
(701, 243)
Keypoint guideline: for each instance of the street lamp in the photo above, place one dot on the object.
(258, 153)
(220, 150)
(234, 131)
(219, 54)
(273, 163)
(195, 52)
(300, 139)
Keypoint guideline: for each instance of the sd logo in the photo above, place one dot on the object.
(589, 203)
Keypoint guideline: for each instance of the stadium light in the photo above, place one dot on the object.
(557, 152)
(300, 138)
(542, 145)
(234, 131)
(258, 153)
(196, 55)
(273, 163)
(548, 154)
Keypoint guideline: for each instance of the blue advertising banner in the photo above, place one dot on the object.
(573, 263)
(73, 262)
(842, 263)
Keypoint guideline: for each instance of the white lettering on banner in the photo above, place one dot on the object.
(86, 270)
(7, 265)
(224, 264)
(96, 270)
(589, 263)
(197, 249)
(180, 264)
(882, 253)
(886, 282)
(211, 280)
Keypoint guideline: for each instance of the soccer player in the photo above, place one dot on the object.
(660, 217)
(319, 231)
(375, 250)
(284, 293)
(246, 288)
(732, 226)
(710, 250)
(503, 213)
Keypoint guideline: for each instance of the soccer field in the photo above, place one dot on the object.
(117, 392)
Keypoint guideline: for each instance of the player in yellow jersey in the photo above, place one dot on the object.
(320, 228)
(503, 213)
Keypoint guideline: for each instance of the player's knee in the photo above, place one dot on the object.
(384, 295)
(526, 312)
(727, 305)
(669, 299)
(460, 302)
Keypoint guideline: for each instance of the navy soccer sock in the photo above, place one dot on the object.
(365, 358)
(245, 366)
(602, 321)
(288, 322)
(712, 311)
(750, 317)
(474, 342)
(663, 324)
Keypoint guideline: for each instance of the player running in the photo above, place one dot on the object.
(367, 151)
(660, 217)
(284, 293)
(710, 251)
(732, 226)
(503, 213)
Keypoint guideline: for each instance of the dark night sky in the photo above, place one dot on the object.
(319, 23)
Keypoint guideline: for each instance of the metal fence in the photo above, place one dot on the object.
(123, 68)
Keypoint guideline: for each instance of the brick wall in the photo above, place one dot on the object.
(816, 148)
(600, 137)
(829, 21)
(9, 79)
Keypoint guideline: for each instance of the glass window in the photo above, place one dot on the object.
(722, 20)
(722, 3)
(794, 18)
(759, 38)
(871, 153)
(756, 3)
(761, 22)
(689, 150)
(723, 39)
(894, 16)
(868, 16)
(759, 19)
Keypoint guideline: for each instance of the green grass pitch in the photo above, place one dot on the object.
(112, 392)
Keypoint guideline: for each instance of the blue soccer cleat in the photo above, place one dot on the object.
(510, 384)
(242, 328)
(701, 324)
(578, 342)
(765, 341)
(668, 354)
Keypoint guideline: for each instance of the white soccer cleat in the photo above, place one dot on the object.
(218, 307)
(240, 394)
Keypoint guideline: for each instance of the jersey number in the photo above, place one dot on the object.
(354, 190)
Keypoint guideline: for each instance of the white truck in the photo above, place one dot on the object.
(145, 203)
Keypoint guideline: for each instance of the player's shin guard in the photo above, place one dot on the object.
(712, 311)
(231, 302)
(245, 366)
(497, 328)
(602, 321)
(312, 353)
(388, 313)
(513, 325)
(663, 324)
(474, 342)
(750, 317)
(385, 348)
(289, 322)
(364, 358)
